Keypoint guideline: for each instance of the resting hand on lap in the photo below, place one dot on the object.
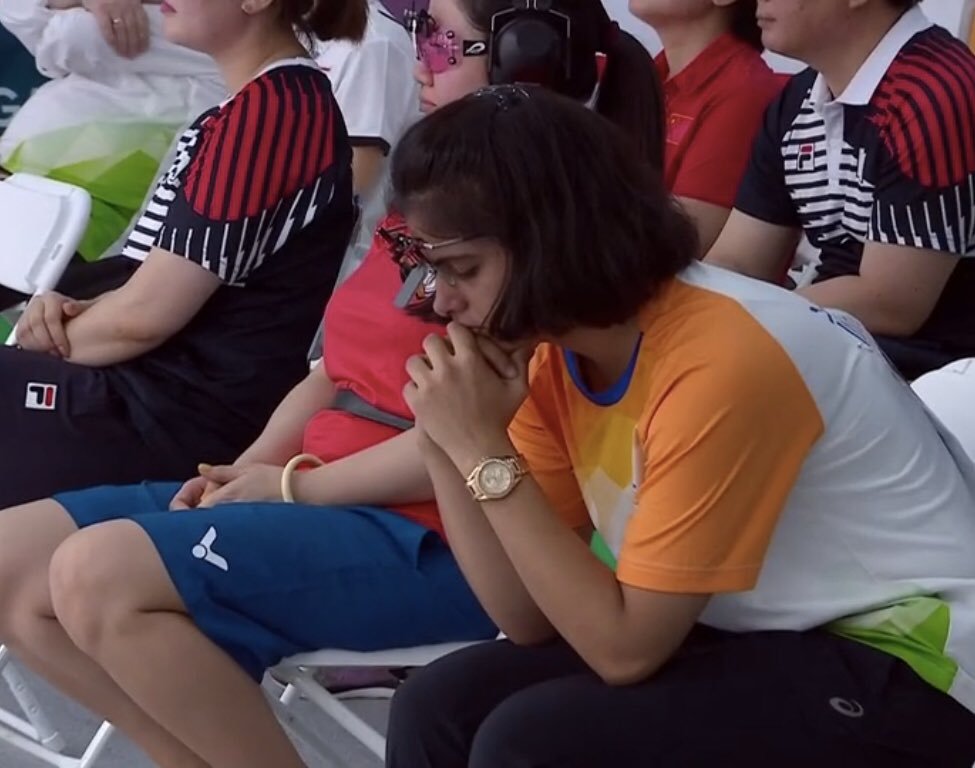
(41, 327)
(192, 493)
(232, 483)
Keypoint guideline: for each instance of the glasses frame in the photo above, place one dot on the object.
(408, 253)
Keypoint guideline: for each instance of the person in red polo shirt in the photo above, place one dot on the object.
(717, 87)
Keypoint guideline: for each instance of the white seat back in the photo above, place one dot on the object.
(41, 223)
(949, 393)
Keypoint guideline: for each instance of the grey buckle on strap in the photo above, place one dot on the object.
(348, 401)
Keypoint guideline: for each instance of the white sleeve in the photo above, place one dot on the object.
(70, 42)
(377, 93)
(26, 20)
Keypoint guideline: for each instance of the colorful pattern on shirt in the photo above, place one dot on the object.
(760, 449)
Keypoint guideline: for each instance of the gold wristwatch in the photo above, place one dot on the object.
(495, 477)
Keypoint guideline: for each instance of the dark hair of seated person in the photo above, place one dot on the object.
(630, 93)
(326, 19)
(593, 230)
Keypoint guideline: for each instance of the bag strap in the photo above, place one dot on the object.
(348, 401)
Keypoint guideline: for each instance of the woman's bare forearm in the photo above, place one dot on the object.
(282, 436)
(387, 474)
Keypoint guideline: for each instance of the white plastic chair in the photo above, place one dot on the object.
(298, 675)
(42, 222)
(38, 737)
(33, 733)
(949, 393)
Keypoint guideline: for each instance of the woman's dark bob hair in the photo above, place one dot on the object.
(590, 229)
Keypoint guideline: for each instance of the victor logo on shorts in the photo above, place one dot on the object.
(41, 397)
(204, 550)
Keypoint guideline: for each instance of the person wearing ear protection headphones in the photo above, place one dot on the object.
(569, 46)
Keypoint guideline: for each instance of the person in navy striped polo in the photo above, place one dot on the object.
(871, 153)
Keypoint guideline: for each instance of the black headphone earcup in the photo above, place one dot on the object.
(529, 49)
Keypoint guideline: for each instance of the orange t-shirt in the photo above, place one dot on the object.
(684, 467)
(761, 450)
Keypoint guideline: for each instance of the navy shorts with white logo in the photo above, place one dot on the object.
(268, 580)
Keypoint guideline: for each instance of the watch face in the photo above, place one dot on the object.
(495, 478)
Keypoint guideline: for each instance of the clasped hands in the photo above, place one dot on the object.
(42, 326)
(229, 483)
(463, 392)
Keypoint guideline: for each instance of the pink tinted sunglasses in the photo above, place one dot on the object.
(439, 49)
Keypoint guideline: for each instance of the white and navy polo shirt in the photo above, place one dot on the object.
(890, 160)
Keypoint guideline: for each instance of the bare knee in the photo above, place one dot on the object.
(84, 582)
(29, 534)
(98, 584)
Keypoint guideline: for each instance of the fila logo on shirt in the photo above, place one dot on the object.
(204, 550)
(807, 155)
(41, 397)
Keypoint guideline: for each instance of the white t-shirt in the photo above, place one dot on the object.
(374, 87)
(761, 450)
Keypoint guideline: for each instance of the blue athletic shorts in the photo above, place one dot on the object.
(265, 581)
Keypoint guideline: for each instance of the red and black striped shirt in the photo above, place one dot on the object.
(260, 194)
